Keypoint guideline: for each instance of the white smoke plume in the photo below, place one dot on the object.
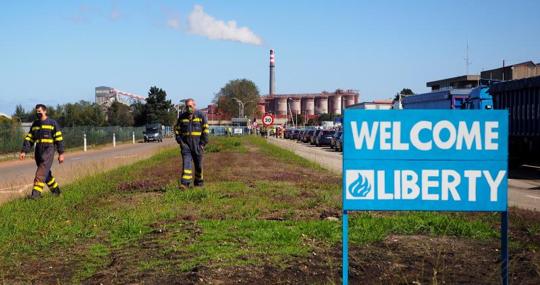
(202, 24)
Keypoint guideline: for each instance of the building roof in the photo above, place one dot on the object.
(461, 78)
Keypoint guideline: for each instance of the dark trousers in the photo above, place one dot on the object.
(44, 157)
(192, 165)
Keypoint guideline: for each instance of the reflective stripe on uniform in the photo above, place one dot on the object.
(37, 188)
(36, 128)
(197, 120)
(205, 126)
(185, 120)
(28, 138)
(47, 127)
(39, 184)
(58, 139)
(58, 134)
(187, 177)
(188, 171)
(192, 133)
(51, 181)
(54, 185)
(206, 131)
(45, 141)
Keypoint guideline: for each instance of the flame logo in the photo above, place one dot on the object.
(360, 187)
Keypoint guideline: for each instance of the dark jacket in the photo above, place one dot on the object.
(192, 129)
(45, 134)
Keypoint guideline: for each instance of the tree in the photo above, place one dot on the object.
(23, 115)
(82, 113)
(242, 89)
(158, 109)
(119, 114)
(139, 115)
(404, 93)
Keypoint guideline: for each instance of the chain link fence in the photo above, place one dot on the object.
(11, 139)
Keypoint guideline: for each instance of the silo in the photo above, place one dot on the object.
(308, 106)
(295, 106)
(281, 109)
(321, 105)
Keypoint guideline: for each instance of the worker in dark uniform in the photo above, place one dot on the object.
(47, 136)
(191, 132)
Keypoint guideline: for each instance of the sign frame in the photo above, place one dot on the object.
(268, 116)
(367, 158)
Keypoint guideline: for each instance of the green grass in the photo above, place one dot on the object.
(229, 226)
(281, 154)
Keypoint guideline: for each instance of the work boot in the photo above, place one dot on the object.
(35, 195)
(56, 191)
(198, 184)
(183, 187)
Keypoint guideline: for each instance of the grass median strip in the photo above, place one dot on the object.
(262, 206)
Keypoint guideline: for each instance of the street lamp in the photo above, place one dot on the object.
(290, 110)
(240, 107)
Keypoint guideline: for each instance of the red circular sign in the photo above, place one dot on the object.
(268, 120)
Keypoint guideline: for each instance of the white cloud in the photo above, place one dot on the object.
(202, 24)
(173, 23)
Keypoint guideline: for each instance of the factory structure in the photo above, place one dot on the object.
(309, 105)
(105, 96)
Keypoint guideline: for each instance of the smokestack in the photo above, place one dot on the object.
(272, 74)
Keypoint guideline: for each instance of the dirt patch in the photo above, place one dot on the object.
(151, 260)
(254, 166)
(396, 260)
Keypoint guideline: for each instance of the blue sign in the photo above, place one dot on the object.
(432, 160)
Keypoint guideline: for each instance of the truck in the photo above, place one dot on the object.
(153, 132)
(522, 100)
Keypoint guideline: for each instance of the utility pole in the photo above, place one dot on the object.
(467, 60)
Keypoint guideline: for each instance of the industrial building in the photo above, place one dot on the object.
(309, 105)
(374, 105)
(512, 72)
(105, 96)
(458, 82)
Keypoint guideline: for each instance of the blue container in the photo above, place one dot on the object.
(446, 99)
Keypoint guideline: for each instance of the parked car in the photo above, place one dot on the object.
(300, 136)
(294, 134)
(324, 138)
(287, 133)
(307, 135)
(339, 143)
(335, 137)
(314, 136)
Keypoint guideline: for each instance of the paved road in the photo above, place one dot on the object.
(16, 177)
(523, 184)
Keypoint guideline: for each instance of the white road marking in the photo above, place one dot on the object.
(19, 188)
(125, 156)
(534, 197)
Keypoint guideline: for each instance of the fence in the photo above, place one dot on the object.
(224, 130)
(11, 139)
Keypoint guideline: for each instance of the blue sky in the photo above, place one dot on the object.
(58, 51)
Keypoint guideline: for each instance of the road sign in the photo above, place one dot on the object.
(268, 120)
(424, 160)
